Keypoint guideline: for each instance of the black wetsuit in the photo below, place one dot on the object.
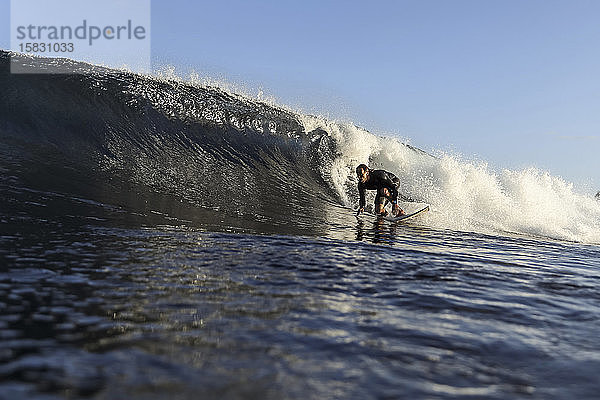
(379, 180)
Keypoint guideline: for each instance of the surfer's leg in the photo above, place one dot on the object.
(396, 210)
(380, 200)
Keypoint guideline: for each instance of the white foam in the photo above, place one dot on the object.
(465, 195)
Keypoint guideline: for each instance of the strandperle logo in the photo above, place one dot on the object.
(110, 33)
(84, 31)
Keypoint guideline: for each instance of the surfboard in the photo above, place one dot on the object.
(407, 216)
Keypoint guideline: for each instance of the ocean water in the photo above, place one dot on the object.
(163, 239)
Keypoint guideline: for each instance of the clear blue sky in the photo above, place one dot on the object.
(512, 82)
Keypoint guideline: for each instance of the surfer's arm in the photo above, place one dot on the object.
(362, 201)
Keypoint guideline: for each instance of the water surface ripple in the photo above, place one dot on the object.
(107, 312)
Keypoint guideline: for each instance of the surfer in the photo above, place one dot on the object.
(386, 185)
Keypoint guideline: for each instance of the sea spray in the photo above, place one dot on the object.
(464, 195)
(202, 144)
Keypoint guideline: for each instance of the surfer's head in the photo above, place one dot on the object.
(362, 172)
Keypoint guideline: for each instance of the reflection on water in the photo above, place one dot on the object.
(105, 302)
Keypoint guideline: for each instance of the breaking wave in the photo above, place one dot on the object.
(110, 135)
